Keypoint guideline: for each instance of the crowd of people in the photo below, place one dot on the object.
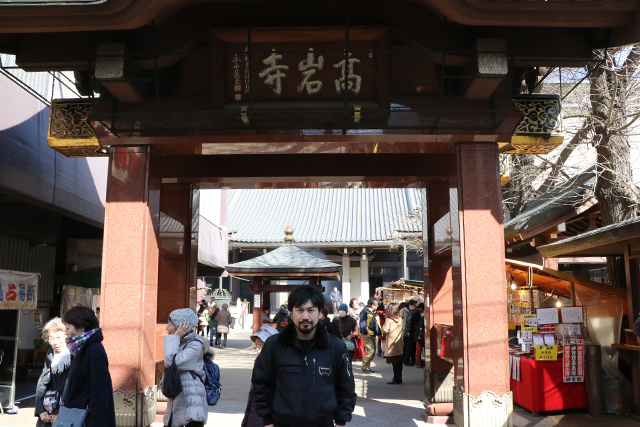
(214, 322)
(76, 372)
(395, 330)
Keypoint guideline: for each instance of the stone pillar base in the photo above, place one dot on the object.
(486, 410)
(439, 387)
(138, 410)
(435, 419)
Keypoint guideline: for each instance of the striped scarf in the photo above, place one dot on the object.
(76, 342)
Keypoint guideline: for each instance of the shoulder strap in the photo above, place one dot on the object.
(189, 342)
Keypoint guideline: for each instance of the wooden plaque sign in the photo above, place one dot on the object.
(310, 65)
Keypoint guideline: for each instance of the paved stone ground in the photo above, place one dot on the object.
(379, 404)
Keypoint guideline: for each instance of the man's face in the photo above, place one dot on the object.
(305, 317)
(335, 289)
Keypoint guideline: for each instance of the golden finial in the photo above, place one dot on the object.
(288, 231)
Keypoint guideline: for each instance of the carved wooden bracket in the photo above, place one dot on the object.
(540, 130)
(70, 132)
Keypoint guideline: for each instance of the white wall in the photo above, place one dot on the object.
(28, 331)
(355, 283)
(210, 206)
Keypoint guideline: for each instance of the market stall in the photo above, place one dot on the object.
(555, 316)
(18, 291)
(401, 290)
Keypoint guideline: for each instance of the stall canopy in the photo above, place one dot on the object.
(554, 281)
(408, 288)
(86, 278)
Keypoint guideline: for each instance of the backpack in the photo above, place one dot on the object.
(373, 325)
(212, 383)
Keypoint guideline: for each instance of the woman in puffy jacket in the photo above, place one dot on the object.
(189, 408)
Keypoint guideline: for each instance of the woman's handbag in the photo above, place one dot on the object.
(350, 345)
(171, 383)
(70, 417)
(359, 352)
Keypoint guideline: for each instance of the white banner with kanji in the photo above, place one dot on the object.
(18, 291)
(573, 362)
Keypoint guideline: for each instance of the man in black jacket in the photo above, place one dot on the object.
(303, 377)
(409, 330)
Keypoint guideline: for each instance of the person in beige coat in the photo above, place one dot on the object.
(394, 347)
(224, 320)
(189, 408)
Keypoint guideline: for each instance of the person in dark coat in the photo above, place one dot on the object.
(89, 381)
(54, 374)
(282, 318)
(251, 418)
(303, 376)
(344, 327)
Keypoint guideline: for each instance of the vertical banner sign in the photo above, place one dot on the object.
(256, 301)
(18, 291)
(573, 362)
(37, 318)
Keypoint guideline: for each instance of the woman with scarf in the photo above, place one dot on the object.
(54, 374)
(89, 381)
(186, 349)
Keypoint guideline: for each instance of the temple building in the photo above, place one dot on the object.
(362, 229)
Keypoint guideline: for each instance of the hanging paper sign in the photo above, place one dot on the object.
(547, 352)
(529, 322)
(548, 329)
(256, 301)
(573, 362)
(572, 314)
(547, 316)
(18, 291)
(37, 317)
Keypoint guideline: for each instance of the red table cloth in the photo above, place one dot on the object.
(542, 389)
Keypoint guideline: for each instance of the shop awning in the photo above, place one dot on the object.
(86, 278)
(554, 281)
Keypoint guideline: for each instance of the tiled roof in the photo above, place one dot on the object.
(553, 203)
(594, 235)
(285, 259)
(321, 215)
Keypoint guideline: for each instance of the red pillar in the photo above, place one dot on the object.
(130, 269)
(439, 379)
(480, 351)
(257, 303)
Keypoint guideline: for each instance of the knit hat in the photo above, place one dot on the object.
(184, 315)
(344, 307)
(264, 332)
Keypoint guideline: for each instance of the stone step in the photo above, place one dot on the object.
(437, 419)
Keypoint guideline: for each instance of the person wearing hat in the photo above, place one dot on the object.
(251, 419)
(345, 327)
(189, 408)
(261, 336)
